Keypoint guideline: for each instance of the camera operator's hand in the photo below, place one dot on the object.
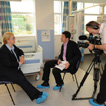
(91, 46)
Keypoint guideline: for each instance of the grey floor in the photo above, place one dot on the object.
(55, 98)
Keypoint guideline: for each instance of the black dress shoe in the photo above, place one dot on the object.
(45, 84)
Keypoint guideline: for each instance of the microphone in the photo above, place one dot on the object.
(83, 37)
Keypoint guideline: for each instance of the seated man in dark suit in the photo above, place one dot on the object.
(11, 58)
(69, 52)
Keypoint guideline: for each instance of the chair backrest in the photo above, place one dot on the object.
(77, 65)
(6, 82)
(76, 68)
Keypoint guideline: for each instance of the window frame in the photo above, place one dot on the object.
(32, 13)
(59, 14)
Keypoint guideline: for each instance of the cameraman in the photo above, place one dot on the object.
(96, 28)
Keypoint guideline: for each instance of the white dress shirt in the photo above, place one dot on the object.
(102, 32)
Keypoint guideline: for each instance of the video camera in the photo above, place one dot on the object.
(95, 64)
(93, 40)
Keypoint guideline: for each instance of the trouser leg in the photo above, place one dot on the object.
(101, 97)
(46, 70)
(57, 76)
(18, 78)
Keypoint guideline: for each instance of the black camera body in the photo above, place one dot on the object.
(93, 40)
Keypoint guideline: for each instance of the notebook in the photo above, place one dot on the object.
(61, 66)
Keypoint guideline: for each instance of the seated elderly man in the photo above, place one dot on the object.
(11, 57)
(70, 53)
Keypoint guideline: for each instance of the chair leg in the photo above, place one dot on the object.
(73, 77)
(76, 80)
(63, 80)
(13, 87)
(64, 76)
(10, 94)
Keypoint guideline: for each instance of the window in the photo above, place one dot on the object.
(87, 19)
(23, 17)
(105, 10)
(79, 5)
(92, 10)
(58, 17)
(90, 14)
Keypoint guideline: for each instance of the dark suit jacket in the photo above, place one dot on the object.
(8, 61)
(73, 53)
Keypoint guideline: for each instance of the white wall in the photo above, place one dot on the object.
(57, 44)
(44, 14)
(45, 21)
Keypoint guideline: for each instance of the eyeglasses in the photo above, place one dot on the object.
(12, 38)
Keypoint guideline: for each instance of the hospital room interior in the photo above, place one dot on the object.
(38, 27)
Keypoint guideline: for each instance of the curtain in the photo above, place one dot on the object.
(65, 14)
(5, 17)
(79, 25)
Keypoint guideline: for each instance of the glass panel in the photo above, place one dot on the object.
(88, 5)
(105, 10)
(23, 6)
(79, 5)
(87, 19)
(93, 10)
(23, 24)
(57, 24)
(57, 6)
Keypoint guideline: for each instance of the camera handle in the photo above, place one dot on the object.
(95, 61)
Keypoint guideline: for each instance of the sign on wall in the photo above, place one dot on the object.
(45, 35)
